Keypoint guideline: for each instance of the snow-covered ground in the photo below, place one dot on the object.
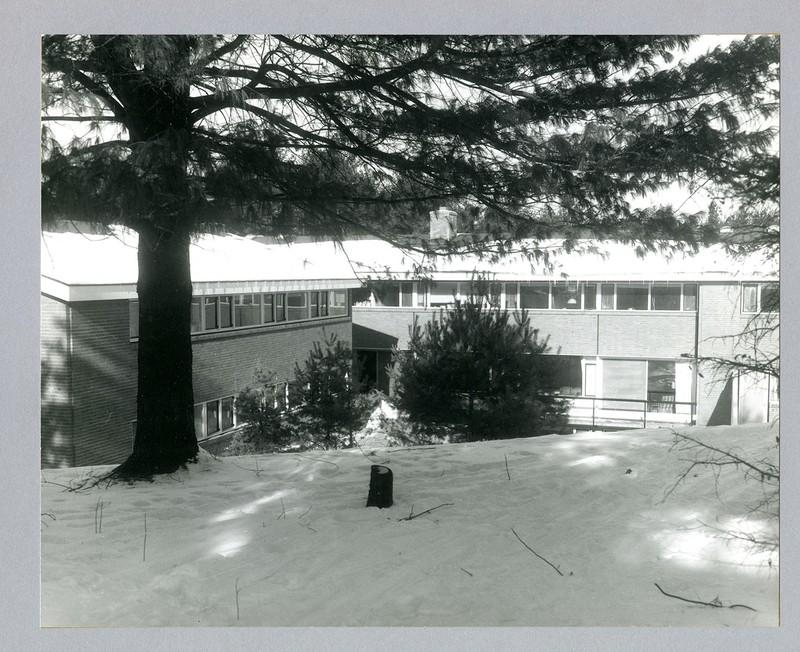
(286, 539)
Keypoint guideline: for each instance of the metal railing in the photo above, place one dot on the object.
(606, 411)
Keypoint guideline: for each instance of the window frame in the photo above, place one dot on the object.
(202, 417)
(759, 304)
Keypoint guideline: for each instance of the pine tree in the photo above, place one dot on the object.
(340, 134)
(327, 392)
(473, 366)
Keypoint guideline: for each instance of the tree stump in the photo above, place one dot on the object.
(380, 487)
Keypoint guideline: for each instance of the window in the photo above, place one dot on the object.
(296, 306)
(421, 292)
(607, 296)
(624, 379)
(225, 312)
(511, 296)
(133, 315)
(338, 302)
(226, 413)
(406, 294)
(660, 386)
(665, 297)
(770, 297)
(323, 304)
(689, 296)
(313, 304)
(760, 297)
(213, 417)
(566, 296)
(631, 297)
(590, 296)
(280, 307)
(534, 295)
(387, 294)
(210, 309)
(443, 293)
(590, 379)
(247, 309)
(495, 289)
(197, 314)
(269, 314)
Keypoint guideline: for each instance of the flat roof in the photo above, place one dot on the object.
(589, 260)
(91, 267)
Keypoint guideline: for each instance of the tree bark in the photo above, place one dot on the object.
(165, 438)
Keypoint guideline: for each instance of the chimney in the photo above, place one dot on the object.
(443, 224)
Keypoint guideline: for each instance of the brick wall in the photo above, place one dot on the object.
(56, 411)
(103, 382)
(622, 334)
(719, 335)
(96, 426)
(226, 363)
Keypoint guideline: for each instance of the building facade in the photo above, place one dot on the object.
(257, 309)
(628, 333)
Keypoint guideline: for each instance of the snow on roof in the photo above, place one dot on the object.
(78, 266)
(592, 260)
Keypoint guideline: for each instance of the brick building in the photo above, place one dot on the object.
(256, 307)
(626, 331)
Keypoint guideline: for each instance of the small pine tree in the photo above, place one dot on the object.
(260, 409)
(474, 367)
(328, 394)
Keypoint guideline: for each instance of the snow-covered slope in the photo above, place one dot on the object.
(287, 540)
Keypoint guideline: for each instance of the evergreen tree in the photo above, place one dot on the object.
(261, 409)
(335, 134)
(327, 392)
(473, 366)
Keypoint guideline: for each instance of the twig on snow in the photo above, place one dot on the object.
(715, 603)
(507, 473)
(305, 512)
(236, 588)
(282, 515)
(427, 511)
(144, 543)
(467, 572)
(554, 567)
(98, 524)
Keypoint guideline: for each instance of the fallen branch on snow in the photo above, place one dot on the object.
(427, 511)
(536, 553)
(716, 602)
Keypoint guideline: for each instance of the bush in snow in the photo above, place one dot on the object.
(330, 407)
(476, 368)
(261, 409)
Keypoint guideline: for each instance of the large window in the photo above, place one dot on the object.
(296, 306)
(210, 313)
(214, 313)
(338, 302)
(443, 293)
(280, 307)
(631, 297)
(624, 379)
(214, 417)
(760, 297)
(394, 294)
(650, 383)
(665, 297)
(247, 309)
(534, 296)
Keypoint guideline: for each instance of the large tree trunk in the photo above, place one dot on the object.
(165, 437)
